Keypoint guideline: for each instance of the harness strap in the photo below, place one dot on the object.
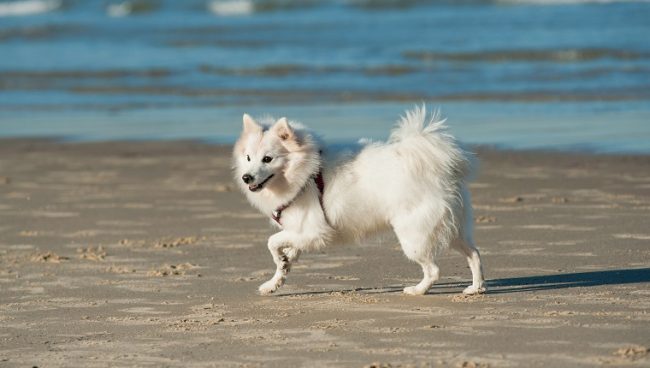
(320, 184)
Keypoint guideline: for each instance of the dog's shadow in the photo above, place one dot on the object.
(570, 280)
(516, 284)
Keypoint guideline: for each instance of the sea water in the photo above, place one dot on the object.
(522, 74)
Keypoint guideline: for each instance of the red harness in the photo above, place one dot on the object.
(320, 184)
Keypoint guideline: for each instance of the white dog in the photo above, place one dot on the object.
(414, 184)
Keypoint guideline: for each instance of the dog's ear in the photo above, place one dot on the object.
(283, 129)
(250, 125)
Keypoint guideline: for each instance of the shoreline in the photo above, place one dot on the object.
(207, 144)
(144, 253)
(502, 126)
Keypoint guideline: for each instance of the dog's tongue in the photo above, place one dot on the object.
(253, 187)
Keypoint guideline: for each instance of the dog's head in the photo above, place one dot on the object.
(269, 156)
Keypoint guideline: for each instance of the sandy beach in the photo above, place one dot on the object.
(144, 254)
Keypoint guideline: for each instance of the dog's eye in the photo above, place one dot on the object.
(266, 159)
(248, 157)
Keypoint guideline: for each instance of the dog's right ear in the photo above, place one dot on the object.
(250, 125)
(283, 129)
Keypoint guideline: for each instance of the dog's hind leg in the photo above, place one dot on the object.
(466, 247)
(280, 245)
(418, 248)
(464, 243)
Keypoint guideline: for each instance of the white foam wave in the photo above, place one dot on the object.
(120, 10)
(567, 2)
(28, 7)
(231, 7)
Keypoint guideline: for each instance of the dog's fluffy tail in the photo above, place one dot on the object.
(426, 138)
(415, 124)
(434, 157)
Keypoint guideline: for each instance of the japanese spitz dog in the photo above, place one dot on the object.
(414, 184)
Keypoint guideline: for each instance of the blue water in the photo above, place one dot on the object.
(565, 75)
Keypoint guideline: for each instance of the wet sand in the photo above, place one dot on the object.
(142, 254)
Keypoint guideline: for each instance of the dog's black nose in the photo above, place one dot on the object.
(247, 178)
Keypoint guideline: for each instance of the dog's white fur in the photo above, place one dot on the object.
(414, 184)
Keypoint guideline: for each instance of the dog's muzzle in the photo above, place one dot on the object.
(256, 187)
(247, 178)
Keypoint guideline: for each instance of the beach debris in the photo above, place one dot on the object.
(92, 253)
(28, 233)
(342, 278)
(119, 269)
(5, 180)
(485, 219)
(202, 318)
(172, 270)
(560, 200)
(246, 278)
(515, 199)
(172, 243)
(221, 187)
(48, 257)
(167, 242)
(132, 242)
(472, 364)
(329, 324)
(464, 298)
(196, 324)
(378, 365)
(632, 352)
(354, 297)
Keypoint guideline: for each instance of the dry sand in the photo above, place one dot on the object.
(142, 254)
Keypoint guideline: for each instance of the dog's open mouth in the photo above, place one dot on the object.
(256, 187)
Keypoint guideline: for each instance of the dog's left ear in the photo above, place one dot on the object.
(250, 125)
(283, 129)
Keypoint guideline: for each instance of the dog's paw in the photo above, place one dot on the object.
(414, 290)
(268, 287)
(473, 290)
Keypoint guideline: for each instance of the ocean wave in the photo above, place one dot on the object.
(397, 4)
(552, 55)
(85, 74)
(247, 7)
(28, 7)
(231, 7)
(119, 10)
(388, 4)
(566, 2)
(285, 70)
(40, 32)
(298, 96)
(127, 8)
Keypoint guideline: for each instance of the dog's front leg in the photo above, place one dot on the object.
(280, 244)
